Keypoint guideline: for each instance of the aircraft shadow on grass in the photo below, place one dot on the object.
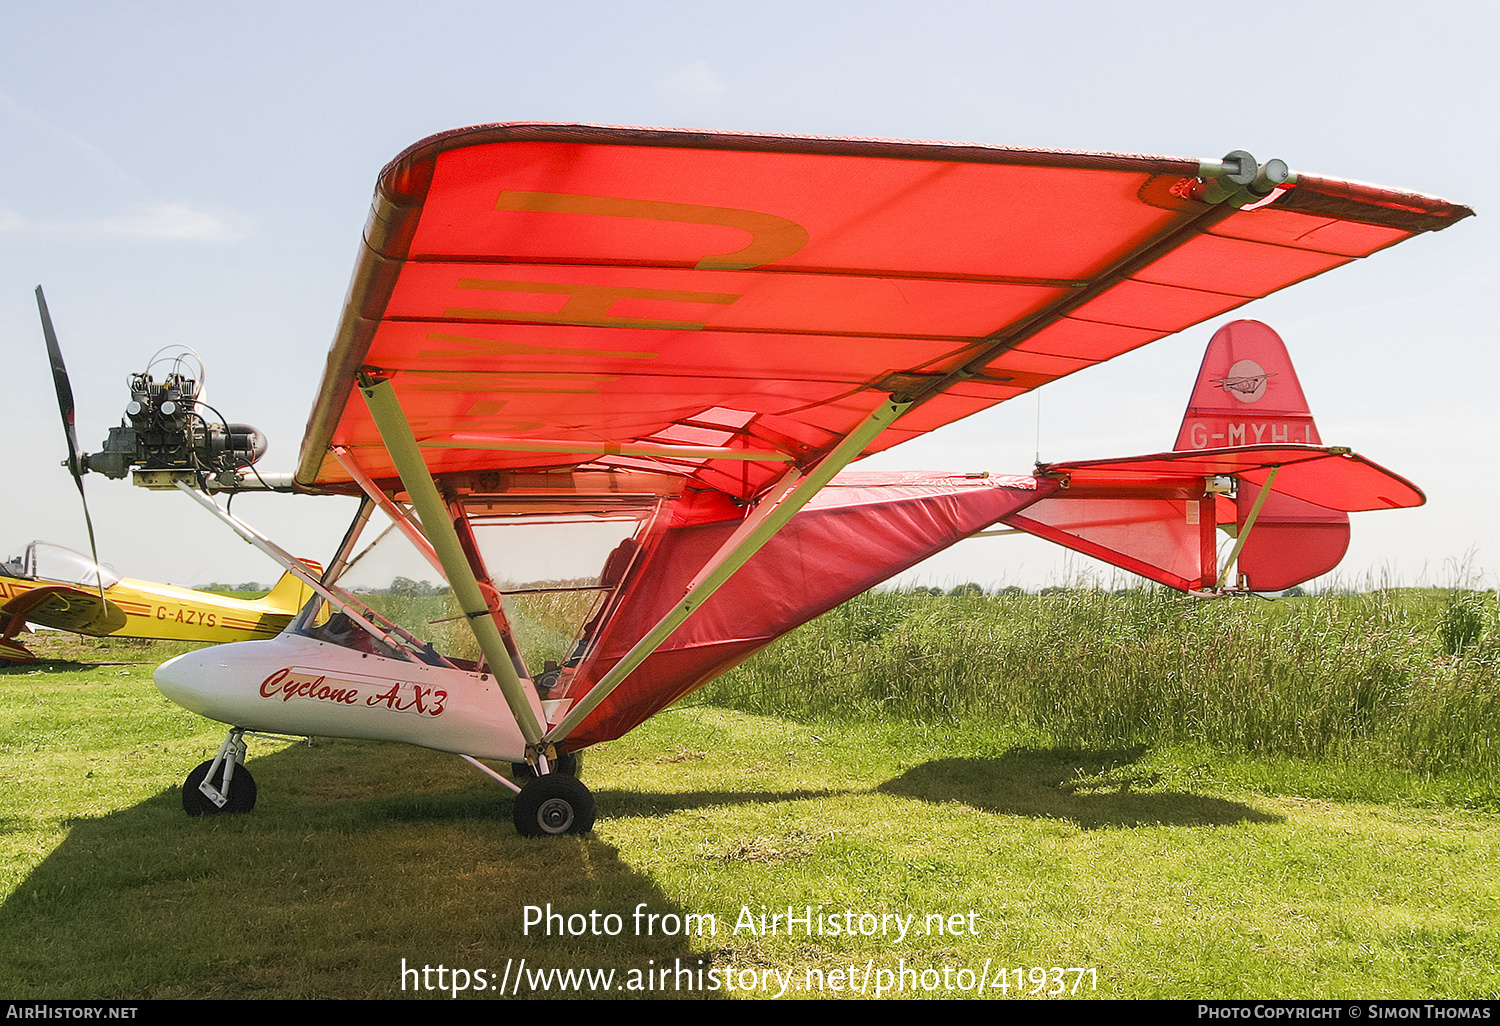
(1093, 788)
(145, 902)
(58, 666)
(650, 804)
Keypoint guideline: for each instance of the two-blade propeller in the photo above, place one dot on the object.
(64, 389)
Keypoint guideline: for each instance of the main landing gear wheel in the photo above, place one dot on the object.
(241, 791)
(569, 764)
(554, 804)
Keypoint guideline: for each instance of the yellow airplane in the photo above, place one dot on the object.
(56, 587)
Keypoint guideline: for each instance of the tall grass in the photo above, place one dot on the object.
(1408, 678)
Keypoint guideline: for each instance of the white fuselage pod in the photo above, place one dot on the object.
(292, 684)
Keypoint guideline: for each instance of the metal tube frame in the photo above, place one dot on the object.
(489, 772)
(647, 528)
(463, 529)
(356, 529)
(358, 613)
(388, 506)
(232, 752)
(690, 452)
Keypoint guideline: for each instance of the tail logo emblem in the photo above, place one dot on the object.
(1246, 381)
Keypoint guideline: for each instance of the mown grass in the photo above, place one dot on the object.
(1231, 862)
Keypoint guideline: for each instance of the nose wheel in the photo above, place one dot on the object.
(554, 804)
(222, 784)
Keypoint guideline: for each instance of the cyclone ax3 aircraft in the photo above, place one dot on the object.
(691, 335)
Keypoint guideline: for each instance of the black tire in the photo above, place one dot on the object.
(569, 764)
(242, 792)
(552, 805)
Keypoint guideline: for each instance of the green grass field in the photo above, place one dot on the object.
(1114, 814)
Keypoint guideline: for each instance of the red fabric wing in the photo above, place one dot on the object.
(606, 285)
(527, 288)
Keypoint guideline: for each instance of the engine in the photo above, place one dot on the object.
(168, 434)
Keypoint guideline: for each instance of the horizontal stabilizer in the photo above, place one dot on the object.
(1332, 478)
(1157, 516)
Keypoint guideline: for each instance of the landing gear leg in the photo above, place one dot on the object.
(567, 763)
(222, 784)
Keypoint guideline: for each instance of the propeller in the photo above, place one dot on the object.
(76, 465)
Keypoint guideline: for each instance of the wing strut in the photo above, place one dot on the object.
(433, 513)
(1244, 532)
(758, 529)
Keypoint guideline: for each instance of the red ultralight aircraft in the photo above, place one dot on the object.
(693, 333)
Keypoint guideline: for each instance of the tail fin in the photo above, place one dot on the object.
(291, 593)
(1246, 394)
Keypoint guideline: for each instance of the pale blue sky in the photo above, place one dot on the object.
(199, 173)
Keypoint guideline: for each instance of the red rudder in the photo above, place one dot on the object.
(1246, 394)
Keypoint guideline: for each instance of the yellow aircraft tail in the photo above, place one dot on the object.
(290, 593)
